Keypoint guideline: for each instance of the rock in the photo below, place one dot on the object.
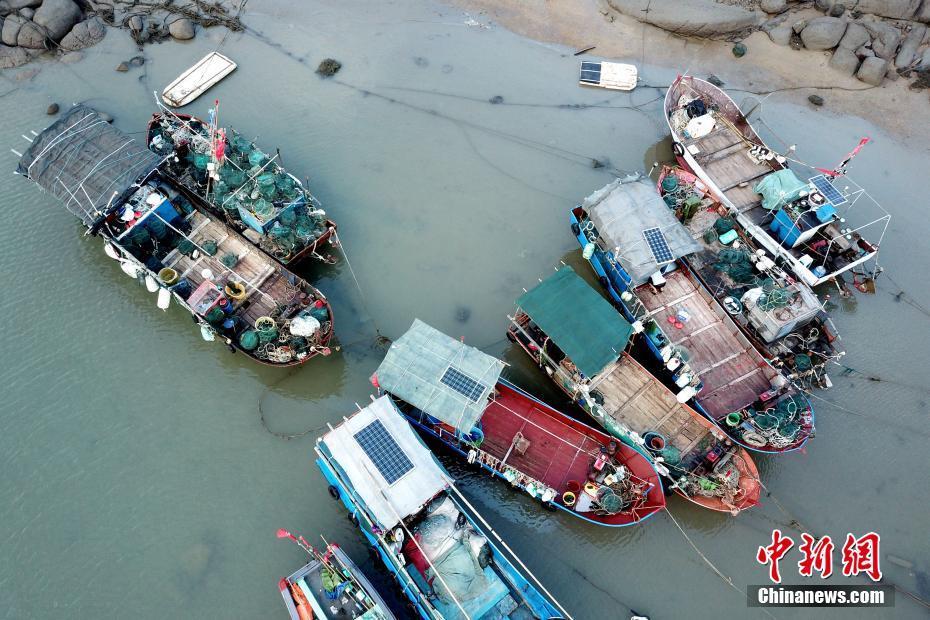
(496, 100)
(27, 13)
(798, 26)
(864, 52)
(105, 117)
(135, 23)
(52, 109)
(11, 27)
(740, 49)
(137, 61)
(780, 35)
(923, 15)
(895, 9)
(329, 67)
(908, 50)
(823, 33)
(15, 5)
(924, 63)
(84, 34)
(774, 6)
(713, 79)
(856, 36)
(872, 71)
(837, 10)
(181, 29)
(822, 5)
(58, 17)
(891, 74)
(885, 39)
(817, 100)
(692, 18)
(31, 36)
(122, 67)
(845, 61)
(11, 57)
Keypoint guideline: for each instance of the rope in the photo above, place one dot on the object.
(358, 286)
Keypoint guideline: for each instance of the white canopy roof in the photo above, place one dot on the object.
(386, 464)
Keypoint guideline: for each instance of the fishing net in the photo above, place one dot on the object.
(229, 259)
(158, 228)
(723, 225)
(249, 340)
(187, 247)
(776, 298)
(215, 316)
(210, 247)
(671, 454)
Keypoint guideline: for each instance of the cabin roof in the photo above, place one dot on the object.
(81, 159)
(622, 211)
(439, 375)
(386, 464)
(582, 323)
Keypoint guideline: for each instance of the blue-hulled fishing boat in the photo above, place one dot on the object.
(330, 587)
(425, 532)
(454, 393)
(636, 247)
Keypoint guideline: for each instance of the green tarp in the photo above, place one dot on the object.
(439, 375)
(583, 324)
(779, 188)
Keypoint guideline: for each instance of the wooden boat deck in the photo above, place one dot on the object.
(733, 372)
(255, 269)
(636, 399)
(558, 452)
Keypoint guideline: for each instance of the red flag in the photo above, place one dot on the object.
(840, 170)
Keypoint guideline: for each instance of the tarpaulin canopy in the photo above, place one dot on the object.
(439, 375)
(386, 464)
(622, 211)
(581, 323)
(780, 188)
(86, 163)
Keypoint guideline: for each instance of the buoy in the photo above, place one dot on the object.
(110, 251)
(568, 498)
(588, 251)
(151, 284)
(129, 268)
(164, 298)
(754, 439)
(207, 333)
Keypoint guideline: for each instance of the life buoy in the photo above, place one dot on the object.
(678, 149)
(754, 439)
(333, 492)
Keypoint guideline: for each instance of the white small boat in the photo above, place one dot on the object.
(198, 79)
(612, 75)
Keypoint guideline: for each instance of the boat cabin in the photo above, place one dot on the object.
(454, 393)
(637, 247)
(407, 507)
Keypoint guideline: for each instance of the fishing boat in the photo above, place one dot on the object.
(330, 587)
(580, 341)
(228, 175)
(802, 221)
(454, 393)
(636, 246)
(425, 532)
(781, 316)
(236, 293)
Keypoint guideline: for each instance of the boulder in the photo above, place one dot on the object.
(11, 27)
(885, 39)
(780, 35)
(816, 100)
(844, 61)
(837, 10)
(122, 67)
(11, 57)
(15, 5)
(84, 34)
(822, 5)
(135, 23)
(895, 9)
(864, 52)
(798, 26)
(52, 109)
(908, 50)
(923, 15)
(924, 63)
(823, 33)
(774, 6)
(693, 18)
(31, 36)
(872, 71)
(856, 36)
(181, 29)
(58, 17)
(27, 12)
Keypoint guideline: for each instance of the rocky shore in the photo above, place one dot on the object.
(33, 28)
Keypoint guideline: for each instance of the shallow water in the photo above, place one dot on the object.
(144, 471)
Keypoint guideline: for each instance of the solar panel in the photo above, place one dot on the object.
(463, 384)
(383, 451)
(829, 191)
(590, 72)
(659, 245)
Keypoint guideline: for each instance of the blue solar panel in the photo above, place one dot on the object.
(383, 451)
(591, 72)
(659, 246)
(829, 191)
(463, 384)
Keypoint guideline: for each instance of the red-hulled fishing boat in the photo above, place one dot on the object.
(454, 393)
